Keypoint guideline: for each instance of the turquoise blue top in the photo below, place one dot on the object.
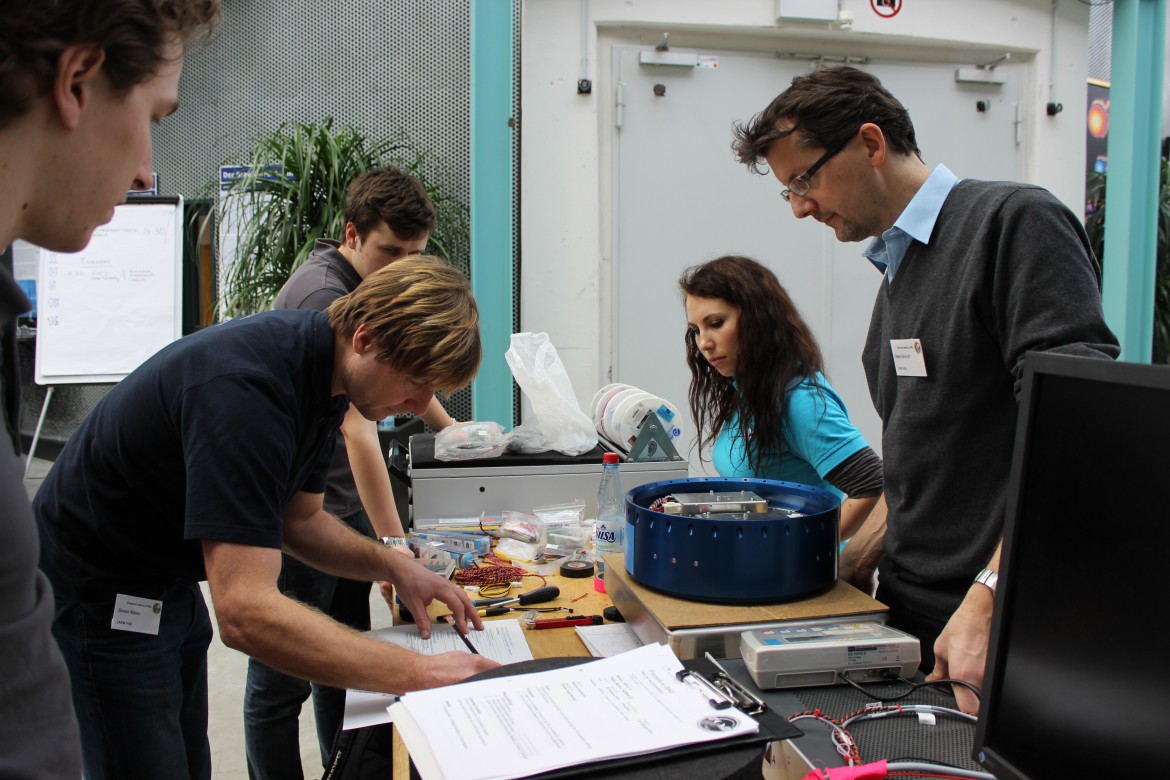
(818, 437)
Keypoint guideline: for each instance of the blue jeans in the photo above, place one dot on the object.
(272, 699)
(141, 699)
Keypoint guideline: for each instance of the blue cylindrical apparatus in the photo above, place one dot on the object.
(734, 560)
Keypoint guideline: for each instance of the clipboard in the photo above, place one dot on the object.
(731, 757)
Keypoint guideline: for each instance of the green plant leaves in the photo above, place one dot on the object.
(294, 193)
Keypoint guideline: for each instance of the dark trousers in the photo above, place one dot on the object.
(141, 699)
(926, 627)
(272, 699)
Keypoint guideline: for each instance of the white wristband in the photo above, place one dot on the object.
(393, 541)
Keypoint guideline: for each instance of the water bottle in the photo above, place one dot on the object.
(609, 532)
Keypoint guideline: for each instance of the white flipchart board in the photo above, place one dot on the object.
(104, 310)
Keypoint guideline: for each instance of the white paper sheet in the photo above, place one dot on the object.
(501, 640)
(608, 639)
(516, 726)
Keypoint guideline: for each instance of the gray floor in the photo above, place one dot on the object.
(226, 672)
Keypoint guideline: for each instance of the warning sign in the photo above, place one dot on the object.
(886, 9)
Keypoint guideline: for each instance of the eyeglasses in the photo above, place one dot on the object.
(801, 184)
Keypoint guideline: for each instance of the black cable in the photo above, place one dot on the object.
(914, 686)
(872, 695)
(946, 681)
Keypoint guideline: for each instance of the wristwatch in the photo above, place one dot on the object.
(393, 541)
(987, 577)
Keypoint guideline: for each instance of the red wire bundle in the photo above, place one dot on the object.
(495, 572)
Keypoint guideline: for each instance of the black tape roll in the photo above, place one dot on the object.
(576, 569)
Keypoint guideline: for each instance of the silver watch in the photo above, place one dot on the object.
(393, 541)
(988, 577)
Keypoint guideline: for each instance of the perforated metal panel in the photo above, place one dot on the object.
(382, 67)
(1101, 41)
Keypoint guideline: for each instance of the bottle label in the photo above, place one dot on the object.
(606, 535)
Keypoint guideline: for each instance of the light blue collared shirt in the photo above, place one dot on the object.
(915, 224)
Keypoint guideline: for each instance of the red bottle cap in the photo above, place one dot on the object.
(611, 457)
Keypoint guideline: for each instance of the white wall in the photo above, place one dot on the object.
(565, 166)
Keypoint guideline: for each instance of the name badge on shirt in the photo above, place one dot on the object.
(908, 357)
(132, 613)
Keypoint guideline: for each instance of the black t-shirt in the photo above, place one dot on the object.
(208, 439)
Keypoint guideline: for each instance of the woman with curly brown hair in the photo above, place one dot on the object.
(758, 394)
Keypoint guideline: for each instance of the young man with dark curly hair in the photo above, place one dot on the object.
(81, 82)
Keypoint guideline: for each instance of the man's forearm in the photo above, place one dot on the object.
(328, 545)
(372, 478)
(296, 640)
(436, 416)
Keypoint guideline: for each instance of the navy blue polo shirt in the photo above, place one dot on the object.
(208, 439)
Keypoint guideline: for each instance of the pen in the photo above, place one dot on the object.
(583, 620)
(466, 641)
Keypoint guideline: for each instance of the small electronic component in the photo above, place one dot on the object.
(737, 504)
(740, 501)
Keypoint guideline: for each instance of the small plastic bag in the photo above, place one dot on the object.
(555, 515)
(528, 440)
(469, 440)
(541, 375)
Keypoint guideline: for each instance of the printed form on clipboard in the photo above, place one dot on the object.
(501, 640)
(639, 702)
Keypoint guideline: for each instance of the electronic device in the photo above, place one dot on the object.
(728, 553)
(1074, 684)
(801, 656)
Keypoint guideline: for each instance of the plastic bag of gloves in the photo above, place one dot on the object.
(545, 383)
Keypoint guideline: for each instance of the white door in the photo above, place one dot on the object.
(680, 198)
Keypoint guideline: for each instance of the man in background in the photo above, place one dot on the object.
(81, 82)
(389, 216)
(975, 274)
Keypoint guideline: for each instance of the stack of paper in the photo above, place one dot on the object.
(501, 640)
(608, 639)
(508, 727)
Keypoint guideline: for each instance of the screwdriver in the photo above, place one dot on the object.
(547, 593)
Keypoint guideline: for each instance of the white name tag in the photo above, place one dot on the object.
(908, 357)
(132, 613)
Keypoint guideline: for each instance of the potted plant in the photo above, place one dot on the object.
(293, 192)
(1095, 227)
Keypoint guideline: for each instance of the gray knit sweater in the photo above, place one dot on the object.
(1008, 269)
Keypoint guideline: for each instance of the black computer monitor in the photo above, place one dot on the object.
(1077, 681)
